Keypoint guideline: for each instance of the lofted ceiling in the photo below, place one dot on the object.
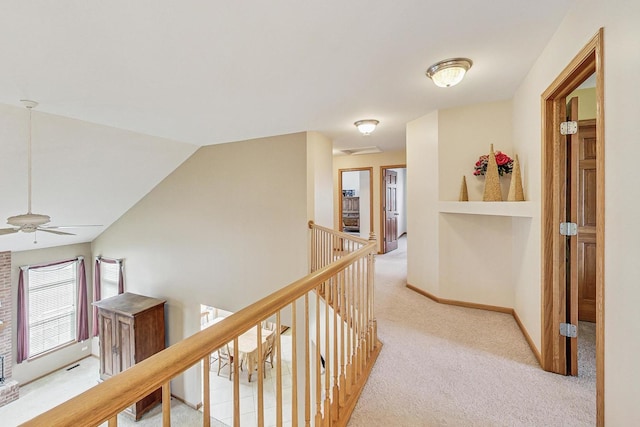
(197, 73)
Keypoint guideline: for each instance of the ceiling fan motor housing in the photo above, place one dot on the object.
(29, 221)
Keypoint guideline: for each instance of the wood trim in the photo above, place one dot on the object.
(600, 227)
(352, 399)
(527, 337)
(383, 197)
(461, 303)
(588, 61)
(495, 308)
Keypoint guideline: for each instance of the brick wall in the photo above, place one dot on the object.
(10, 391)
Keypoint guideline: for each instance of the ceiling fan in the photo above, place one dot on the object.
(31, 222)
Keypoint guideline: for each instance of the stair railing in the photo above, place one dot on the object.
(330, 313)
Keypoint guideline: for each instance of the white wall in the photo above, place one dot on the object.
(475, 259)
(319, 179)
(471, 255)
(422, 203)
(228, 227)
(351, 181)
(30, 370)
(621, 61)
(466, 133)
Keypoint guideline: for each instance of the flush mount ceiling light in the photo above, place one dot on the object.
(366, 126)
(449, 72)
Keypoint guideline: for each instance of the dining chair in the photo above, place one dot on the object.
(226, 358)
(267, 354)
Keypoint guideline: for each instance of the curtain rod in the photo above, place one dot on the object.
(50, 264)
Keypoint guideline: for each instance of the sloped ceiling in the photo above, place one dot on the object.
(198, 73)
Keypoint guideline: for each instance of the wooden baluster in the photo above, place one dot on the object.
(365, 311)
(206, 391)
(358, 306)
(314, 249)
(343, 324)
(324, 249)
(236, 383)
(334, 395)
(307, 364)
(362, 307)
(372, 292)
(354, 325)
(318, 375)
(348, 311)
(294, 367)
(166, 404)
(260, 378)
(327, 362)
(278, 371)
(113, 421)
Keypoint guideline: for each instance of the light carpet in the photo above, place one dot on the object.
(443, 365)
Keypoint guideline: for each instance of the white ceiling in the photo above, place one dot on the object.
(208, 72)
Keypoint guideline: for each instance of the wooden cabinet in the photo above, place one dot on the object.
(131, 328)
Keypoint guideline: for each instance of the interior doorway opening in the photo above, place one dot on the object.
(356, 201)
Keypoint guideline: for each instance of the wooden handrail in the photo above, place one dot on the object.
(104, 401)
(334, 232)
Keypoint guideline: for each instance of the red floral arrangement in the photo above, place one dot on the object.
(505, 164)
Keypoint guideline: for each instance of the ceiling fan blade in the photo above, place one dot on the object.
(58, 227)
(46, 230)
(8, 230)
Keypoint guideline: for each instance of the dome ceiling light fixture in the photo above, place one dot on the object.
(366, 126)
(449, 72)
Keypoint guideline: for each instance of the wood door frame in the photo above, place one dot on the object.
(382, 200)
(588, 61)
(370, 169)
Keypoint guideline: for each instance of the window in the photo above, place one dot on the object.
(52, 306)
(109, 279)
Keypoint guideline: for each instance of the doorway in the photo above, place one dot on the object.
(560, 252)
(356, 201)
(393, 206)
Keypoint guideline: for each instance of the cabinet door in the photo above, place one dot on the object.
(125, 342)
(106, 322)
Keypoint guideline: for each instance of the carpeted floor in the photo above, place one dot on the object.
(451, 366)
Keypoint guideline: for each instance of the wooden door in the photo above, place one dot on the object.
(125, 340)
(106, 331)
(391, 211)
(586, 160)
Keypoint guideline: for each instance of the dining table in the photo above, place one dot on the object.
(248, 347)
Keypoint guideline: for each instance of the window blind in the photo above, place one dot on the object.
(52, 307)
(109, 279)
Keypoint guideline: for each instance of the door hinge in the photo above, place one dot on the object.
(568, 229)
(568, 330)
(568, 128)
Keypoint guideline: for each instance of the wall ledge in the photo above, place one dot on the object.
(508, 209)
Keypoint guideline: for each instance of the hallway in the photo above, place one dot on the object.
(451, 366)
